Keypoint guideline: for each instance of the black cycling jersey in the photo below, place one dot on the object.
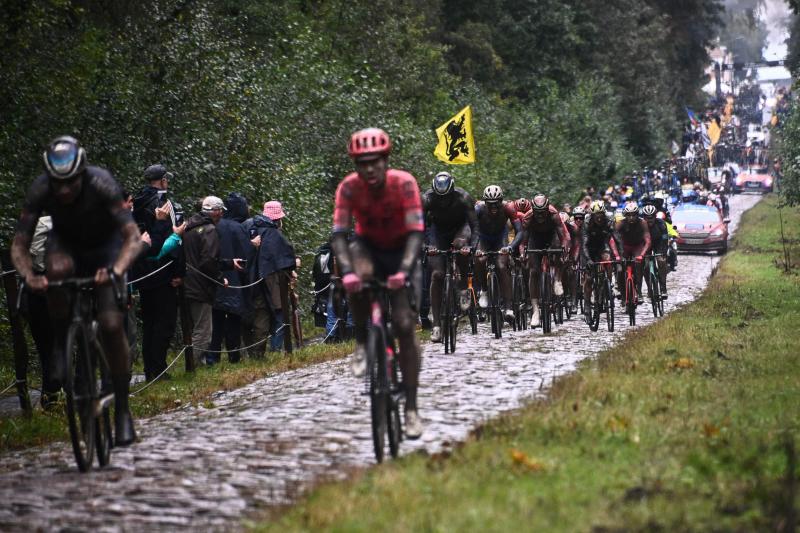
(450, 212)
(596, 238)
(91, 221)
(659, 236)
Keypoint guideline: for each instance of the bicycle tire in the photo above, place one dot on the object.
(494, 303)
(103, 433)
(630, 301)
(452, 314)
(596, 307)
(544, 301)
(444, 316)
(80, 391)
(609, 304)
(394, 427)
(378, 389)
(473, 313)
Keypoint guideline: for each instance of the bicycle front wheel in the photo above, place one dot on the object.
(630, 301)
(395, 428)
(80, 390)
(446, 313)
(545, 294)
(378, 389)
(494, 304)
(609, 294)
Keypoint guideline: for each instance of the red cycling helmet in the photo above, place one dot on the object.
(523, 205)
(370, 141)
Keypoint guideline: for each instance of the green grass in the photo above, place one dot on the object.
(184, 388)
(685, 426)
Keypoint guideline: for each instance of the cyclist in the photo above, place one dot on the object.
(387, 209)
(450, 216)
(597, 244)
(93, 235)
(659, 241)
(634, 236)
(543, 229)
(523, 206)
(574, 227)
(672, 254)
(493, 217)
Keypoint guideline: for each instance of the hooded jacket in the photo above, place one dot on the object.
(202, 250)
(234, 242)
(274, 254)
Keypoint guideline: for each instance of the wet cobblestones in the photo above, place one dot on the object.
(208, 468)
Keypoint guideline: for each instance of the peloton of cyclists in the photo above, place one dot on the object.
(387, 209)
(452, 223)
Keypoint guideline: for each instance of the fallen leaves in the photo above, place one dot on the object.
(682, 363)
(523, 460)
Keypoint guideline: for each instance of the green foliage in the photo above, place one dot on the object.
(787, 145)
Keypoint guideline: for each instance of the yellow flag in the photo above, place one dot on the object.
(714, 132)
(456, 145)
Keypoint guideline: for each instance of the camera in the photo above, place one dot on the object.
(162, 198)
(179, 213)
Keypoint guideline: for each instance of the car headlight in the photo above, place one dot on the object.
(717, 233)
(768, 182)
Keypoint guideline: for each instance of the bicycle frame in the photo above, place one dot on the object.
(493, 286)
(631, 297)
(547, 304)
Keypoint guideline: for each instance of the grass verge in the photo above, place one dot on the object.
(688, 425)
(192, 388)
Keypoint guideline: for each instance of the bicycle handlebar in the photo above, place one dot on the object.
(544, 250)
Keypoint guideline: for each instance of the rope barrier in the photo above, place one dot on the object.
(209, 278)
(333, 330)
(159, 269)
(14, 384)
(323, 289)
(6, 273)
(162, 372)
(268, 337)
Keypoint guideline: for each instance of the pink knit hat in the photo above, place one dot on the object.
(273, 210)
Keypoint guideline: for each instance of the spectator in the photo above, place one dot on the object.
(275, 262)
(329, 304)
(229, 304)
(155, 215)
(204, 270)
(38, 317)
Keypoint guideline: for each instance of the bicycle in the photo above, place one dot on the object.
(602, 296)
(449, 310)
(547, 275)
(653, 284)
(493, 287)
(382, 383)
(520, 296)
(87, 384)
(631, 297)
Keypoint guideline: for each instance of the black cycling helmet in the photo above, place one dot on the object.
(443, 183)
(64, 158)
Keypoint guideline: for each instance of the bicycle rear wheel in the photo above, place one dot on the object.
(103, 434)
(378, 389)
(80, 390)
(395, 428)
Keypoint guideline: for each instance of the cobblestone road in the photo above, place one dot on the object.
(262, 445)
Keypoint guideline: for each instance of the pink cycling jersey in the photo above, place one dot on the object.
(385, 217)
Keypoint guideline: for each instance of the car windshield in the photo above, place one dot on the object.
(757, 170)
(695, 216)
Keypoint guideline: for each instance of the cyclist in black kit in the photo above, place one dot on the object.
(93, 235)
(450, 215)
(494, 216)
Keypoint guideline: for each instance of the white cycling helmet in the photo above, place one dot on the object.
(493, 193)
